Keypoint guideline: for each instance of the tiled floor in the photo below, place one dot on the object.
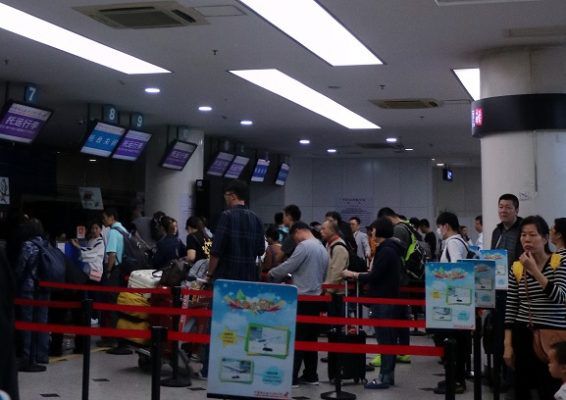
(118, 377)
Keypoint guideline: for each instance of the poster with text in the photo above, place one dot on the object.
(4, 191)
(484, 275)
(252, 340)
(360, 207)
(450, 296)
(91, 198)
(501, 266)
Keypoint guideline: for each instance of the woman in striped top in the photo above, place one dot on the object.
(536, 299)
(558, 236)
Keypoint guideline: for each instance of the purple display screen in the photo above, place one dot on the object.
(220, 164)
(21, 122)
(178, 155)
(132, 145)
(237, 167)
(282, 175)
(260, 170)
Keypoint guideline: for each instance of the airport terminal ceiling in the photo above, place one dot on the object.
(419, 42)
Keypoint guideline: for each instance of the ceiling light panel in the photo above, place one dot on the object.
(470, 79)
(283, 85)
(41, 31)
(313, 27)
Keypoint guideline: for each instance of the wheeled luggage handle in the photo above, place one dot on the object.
(346, 304)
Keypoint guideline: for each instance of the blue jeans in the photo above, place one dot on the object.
(386, 336)
(35, 345)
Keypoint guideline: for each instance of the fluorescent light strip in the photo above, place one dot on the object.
(279, 83)
(33, 28)
(313, 27)
(470, 79)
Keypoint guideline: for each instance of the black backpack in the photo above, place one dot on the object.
(470, 255)
(134, 256)
(355, 263)
(51, 262)
(415, 257)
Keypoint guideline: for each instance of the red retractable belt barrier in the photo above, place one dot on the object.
(389, 323)
(376, 300)
(84, 330)
(47, 303)
(194, 312)
(96, 288)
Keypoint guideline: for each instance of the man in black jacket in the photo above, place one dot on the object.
(384, 281)
(8, 367)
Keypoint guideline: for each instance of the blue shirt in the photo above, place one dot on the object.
(115, 242)
(238, 241)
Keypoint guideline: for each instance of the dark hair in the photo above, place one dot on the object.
(560, 351)
(540, 224)
(450, 219)
(238, 187)
(300, 225)
(31, 229)
(510, 197)
(278, 218)
(356, 219)
(334, 215)
(314, 223)
(386, 212)
(414, 221)
(424, 222)
(333, 226)
(167, 223)
(93, 222)
(560, 227)
(383, 227)
(293, 211)
(272, 233)
(479, 218)
(111, 212)
(195, 222)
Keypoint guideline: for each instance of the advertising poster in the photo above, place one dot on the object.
(91, 198)
(450, 296)
(501, 270)
(252, 340)
(4, 191)
(484, 271)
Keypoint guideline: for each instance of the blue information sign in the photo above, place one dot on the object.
(30, 94)
(136, 120)
(109, 114)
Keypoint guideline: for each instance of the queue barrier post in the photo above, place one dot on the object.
(158, 336)
(176, 379)
(86, 306)
(450, 368)
(477, 359)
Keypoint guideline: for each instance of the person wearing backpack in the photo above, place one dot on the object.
(338, 257)
(170, 247)
(34, 346)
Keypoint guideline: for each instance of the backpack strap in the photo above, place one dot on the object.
(460, 240)
(338, 243)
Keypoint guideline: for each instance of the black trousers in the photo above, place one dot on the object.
(530, 372)
(307, 333)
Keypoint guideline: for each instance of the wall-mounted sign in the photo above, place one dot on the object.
(4, 190)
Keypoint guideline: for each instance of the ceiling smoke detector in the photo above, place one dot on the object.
(144, 15)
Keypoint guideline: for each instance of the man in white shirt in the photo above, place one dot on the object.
(363, 251)
(478, 226)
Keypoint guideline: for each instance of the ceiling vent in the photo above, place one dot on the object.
(406, 104)
(144, 15)
(467, 2)
(380, 146)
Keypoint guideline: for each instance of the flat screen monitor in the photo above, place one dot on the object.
(260, 170)
(22, 122)
(282, 175)
(236, 168)
(178, 154)
(102, 139)
(132, 145)
(220, 164)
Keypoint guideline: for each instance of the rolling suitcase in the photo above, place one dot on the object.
(349, 366)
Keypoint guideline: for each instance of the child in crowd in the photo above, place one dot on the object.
(557, 367)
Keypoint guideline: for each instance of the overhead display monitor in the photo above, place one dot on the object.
(132, 145)
(178, 154)
(22, 122)
(282, 174)
(237, 167)
(102, 139)
(220, 164)
(260, 170)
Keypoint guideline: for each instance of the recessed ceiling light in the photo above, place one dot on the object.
(470, 79)
(41, 31)
(205, 108)
(152, 90)
(92, 160)
(433, 159)
(304, 141)
(279, 83)
(246, 122)
(391, 140)
(409, 149)
(311, 25)
(332, 151)
(440, 164)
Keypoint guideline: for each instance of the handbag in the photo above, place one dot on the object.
(545, 338)
(173, 274)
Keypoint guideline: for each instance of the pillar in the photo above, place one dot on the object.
(168, 190)
(523, 131)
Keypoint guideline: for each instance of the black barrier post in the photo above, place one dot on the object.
(176, 379)
(158, 335)
(87, 314)
(497, 350)
(477, 358)
(450, 368)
